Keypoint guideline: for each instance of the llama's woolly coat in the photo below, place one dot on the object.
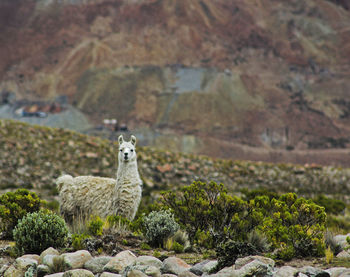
(88, 195)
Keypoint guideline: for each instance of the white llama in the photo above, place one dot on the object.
(88, 195)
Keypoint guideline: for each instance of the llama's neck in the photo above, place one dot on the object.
(127, 171)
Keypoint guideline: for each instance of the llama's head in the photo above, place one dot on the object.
(127, 151)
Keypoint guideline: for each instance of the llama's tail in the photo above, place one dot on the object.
(60, 181)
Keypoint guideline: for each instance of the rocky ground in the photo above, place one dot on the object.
(134, 262)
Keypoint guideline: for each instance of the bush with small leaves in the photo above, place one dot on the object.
(205, 210)
(332, 206)
(15, 205)
(159, 225)
(95, 226)
(230, 251)
(38, 231)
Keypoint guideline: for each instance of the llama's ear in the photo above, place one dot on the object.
(133, 140)
(120, 139)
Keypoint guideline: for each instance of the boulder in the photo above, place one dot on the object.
(48, 251)
(95, 265)
(120, 261)
(148, 260)
(76, 259)
(240, 262)
(286, 271)
(174, 265)
(20, 266)
(78, 273)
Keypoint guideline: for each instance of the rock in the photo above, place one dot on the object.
(78, 273)
(300, 274)
(60, 274)
(149, 270)
(19, 267)
(136, 273)
(148, 260)
(336, 271)
(255, 268)
(346, 273)
(343, 254)
(314, 272)
(108, 274)
(48, 251)
(49, 260)
(96, 265)
(187, 273)
(76, 259)
(43, 270)
(226, 272)
(286, 271)
(174, 265)
(341, 240)
(168, 275)
(31, 256)
(203, 267)
(120, 261)
(240, 262)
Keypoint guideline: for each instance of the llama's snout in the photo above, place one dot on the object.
(126, 156)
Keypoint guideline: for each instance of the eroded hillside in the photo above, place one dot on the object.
(272, 75)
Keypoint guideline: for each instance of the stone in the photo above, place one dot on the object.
(78, 273)
(148, 260)
(43, 270)
(345, 273)
(109, 274)
(149, 270)
(136, 273)
(174, 265)
(343, 254)
(341, 240)
(48, 251)
(19, 267)
(49, 260)
(286, 271)
(120, 261)
(168, 275)
(31, 256)
(226, 272)
(187, 273)
(203, 267)
(313, 271)
(76, 259)
(336, 271)
(255, 268)
(60, 274)
(240, 262)
(95, 265)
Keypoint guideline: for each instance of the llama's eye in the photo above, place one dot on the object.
(132, 150)
(121, 150)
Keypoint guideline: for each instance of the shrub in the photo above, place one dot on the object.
(37, 231)
(202, 208)
(159, 226)
(15, 205)
(332, 206)
(296, 222)
(78, 241)
(230, 251)
(95, 226)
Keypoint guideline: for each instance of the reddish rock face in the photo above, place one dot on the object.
(276, 73)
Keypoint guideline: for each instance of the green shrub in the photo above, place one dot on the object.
(332, 206)
(159, 226)
(202, 208)
(37, 231)
(15, 205)
(296, 222)
(95, 226)
(230, 251)
(78, 241)
(252, 194)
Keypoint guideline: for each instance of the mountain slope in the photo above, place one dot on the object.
(263, 73)
(34, 156)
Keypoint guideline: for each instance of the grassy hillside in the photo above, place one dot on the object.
(33, 156)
